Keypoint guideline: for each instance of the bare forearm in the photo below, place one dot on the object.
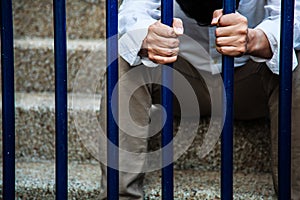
(258, 44)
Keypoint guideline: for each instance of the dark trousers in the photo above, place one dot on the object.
(256, 91)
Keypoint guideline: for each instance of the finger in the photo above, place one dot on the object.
(231, 50)
(232, 19)
(226, 31)
(216, 16)
(178, 26)
(226, 41)
(166, 52)
(157, 41)
(162, 59)
(162, 30)
(231, 41)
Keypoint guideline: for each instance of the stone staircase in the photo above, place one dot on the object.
(195, 177)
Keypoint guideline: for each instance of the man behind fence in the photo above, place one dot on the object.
(199, 36)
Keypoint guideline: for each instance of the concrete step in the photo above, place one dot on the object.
(85, 18)
(35, 135)
(36, 181)
(34, 64)
(35, 126)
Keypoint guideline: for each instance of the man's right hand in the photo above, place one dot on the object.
(162, 43)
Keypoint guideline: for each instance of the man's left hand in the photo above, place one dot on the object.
(231, 33)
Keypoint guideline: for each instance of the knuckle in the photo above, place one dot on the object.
(161, 60)
(219, 49)
(242, 41)
(242, 50)
(243, 31)
(150, 49)
(170, 32)
(169, 52)
(151, 56)
(151, 28)
(147, 40)
(173, 43)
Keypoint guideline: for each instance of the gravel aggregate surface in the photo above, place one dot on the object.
(36, 181)
(192, 184)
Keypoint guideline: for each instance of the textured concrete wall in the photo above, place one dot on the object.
(34, 18)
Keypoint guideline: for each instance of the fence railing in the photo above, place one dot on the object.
(112, 79)
(8, 102)
(8, 99)
(61, 102)
(167, 180)
(285, 99)
(227, 132)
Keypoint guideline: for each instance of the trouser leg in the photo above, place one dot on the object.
(130, 184)
(256, 90)
(256, 93)
(295, 157)
(296, 134)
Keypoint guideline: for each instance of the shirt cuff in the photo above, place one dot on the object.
(148, 63)
(272, 31)
(130, 44)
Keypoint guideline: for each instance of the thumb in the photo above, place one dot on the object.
(216, 16)
(178, 26)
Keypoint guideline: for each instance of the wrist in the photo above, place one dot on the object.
(250, 41)
(258, 44)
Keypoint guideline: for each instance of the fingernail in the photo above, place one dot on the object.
(178, 30)
(214, 20)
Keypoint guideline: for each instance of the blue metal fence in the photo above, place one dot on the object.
(8, 99)
(285, 99)
(227, 132)
(167, 102)
(8, 107)
(112, 79)
(61, 102)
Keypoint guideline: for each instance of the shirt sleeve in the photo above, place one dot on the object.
(271, 27)
(135, 16)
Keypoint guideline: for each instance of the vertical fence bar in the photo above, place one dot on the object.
(167, 102)
(112, 79)
(61, 114)
(285, 99)
(8, 99)
(227, 133)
